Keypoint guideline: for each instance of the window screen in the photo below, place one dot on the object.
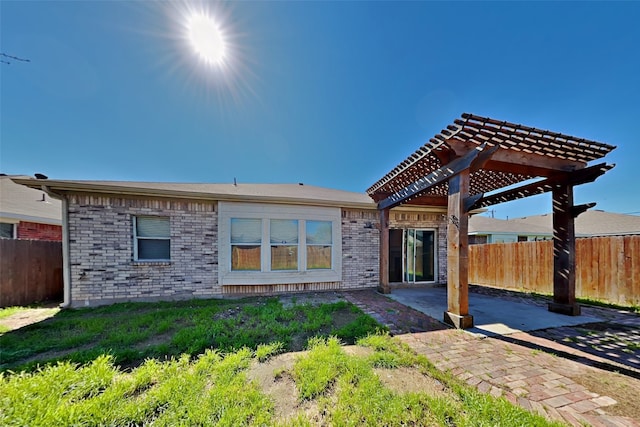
(153, 238)
(284, 244)
(6, 230)
(319, 244)
(246, 241)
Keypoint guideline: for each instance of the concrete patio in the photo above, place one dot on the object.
(492, 315)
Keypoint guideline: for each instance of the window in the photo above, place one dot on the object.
(275, 244)
(152, 238)
(284, 244)
(246, 242)
(319, 244)
(281, 248)
(7, 230)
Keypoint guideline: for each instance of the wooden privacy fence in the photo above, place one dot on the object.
(607, 268)
(30, 271)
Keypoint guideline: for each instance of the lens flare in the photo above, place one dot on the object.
(206, 46)
(206, 39)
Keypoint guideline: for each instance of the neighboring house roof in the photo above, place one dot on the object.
(19, 203)
(267, 193)
(591, 223)
(485, 225)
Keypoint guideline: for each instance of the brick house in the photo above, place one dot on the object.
(126, 241)
(28, 213)
(129, 241)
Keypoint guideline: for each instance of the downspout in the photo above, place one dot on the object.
(66, 260)
(66, 266)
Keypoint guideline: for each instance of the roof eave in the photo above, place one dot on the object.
(58, 187)
(17, 217)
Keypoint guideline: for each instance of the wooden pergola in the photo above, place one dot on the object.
(467, 166)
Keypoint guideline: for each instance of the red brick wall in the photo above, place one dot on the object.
(36, 231)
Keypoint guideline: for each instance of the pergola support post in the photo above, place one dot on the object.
(564, 252)
(384, 252)
(457, 313)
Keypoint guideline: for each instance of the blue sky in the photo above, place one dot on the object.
(333, 94)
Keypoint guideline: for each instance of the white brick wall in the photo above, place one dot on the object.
(101, 251)
(103, 271)
(360, 248)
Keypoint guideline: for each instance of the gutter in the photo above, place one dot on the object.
(110, 189)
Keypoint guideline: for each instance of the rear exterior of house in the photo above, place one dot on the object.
(144, 241)
(149, 242)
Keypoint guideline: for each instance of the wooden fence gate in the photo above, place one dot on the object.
(607, 268)
(30, 272)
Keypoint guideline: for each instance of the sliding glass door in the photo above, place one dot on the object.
(412, 256)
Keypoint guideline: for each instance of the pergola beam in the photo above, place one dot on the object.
(505, 158)
(578, 177)
(474, 159)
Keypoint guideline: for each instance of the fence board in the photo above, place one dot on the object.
(30, 271)
(607, 268)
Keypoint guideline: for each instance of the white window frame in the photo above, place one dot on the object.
(297, 245)
(232, 244)
(136, 238)
(267, 212)
(306, 245)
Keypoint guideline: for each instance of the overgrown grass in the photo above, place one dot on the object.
(213, 389)
(350, 393)
(133, 332)
(207, 391)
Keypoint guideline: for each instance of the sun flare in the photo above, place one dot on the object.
(207, 39)
(208, 47)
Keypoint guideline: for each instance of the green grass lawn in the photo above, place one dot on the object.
(133, 332)
(195, 363)
(332, 387)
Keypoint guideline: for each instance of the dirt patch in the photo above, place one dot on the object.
(410, 380)
(357, 351)
(621, 388)
(313, 298)
(155, 340)
(28, 317)
(274, 379)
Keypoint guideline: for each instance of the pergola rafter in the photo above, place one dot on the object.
(478, 155)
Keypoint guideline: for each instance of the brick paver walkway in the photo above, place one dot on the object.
(536, 380)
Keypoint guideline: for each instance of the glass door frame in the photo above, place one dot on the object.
(408, 251)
